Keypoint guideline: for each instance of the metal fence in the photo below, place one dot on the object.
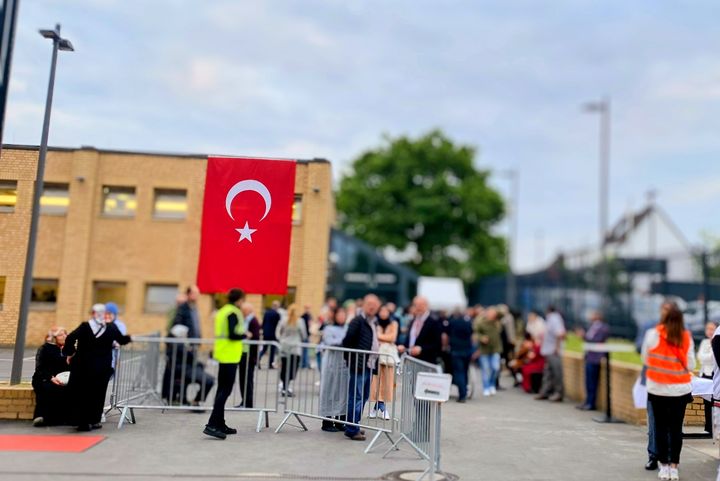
(340, 378)
(415, 426)
(167, 373)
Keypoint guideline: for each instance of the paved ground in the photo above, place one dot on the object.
(509, 436)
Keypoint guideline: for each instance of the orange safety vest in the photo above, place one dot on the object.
(666, 363)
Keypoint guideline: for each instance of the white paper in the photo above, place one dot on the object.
(639, 395)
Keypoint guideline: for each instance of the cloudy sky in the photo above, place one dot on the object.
(310, 78)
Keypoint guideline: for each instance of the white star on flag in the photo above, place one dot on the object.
(246, 233)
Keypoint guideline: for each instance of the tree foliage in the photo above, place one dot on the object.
(425, 195)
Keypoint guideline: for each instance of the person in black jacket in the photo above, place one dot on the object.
(424, 340)
(187, 313)
(271, 319)
(460, 331)
(51, 395)
(249, 359)
(361, 334)
(89, 348)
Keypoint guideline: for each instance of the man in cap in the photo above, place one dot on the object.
(111, 316)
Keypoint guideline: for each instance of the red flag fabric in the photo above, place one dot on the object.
(246, 225)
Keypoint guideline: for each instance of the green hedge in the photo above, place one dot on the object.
(574, 343)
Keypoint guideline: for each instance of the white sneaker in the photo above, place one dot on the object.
(664, 472)
(674, 474)
(486, 392)
(387, 416)
(493, 391)
(373, 413)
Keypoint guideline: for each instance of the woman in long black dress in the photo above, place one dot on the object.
(90, 348)
(51, 395)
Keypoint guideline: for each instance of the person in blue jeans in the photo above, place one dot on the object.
(460, 339)
(361, 334)
(490, 347)
(598, 332)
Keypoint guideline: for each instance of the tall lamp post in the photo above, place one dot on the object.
(63, 44)
(602, 108)
(511, 285)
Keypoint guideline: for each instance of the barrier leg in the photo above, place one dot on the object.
(124, 417)
(261, 415)
(376, 438)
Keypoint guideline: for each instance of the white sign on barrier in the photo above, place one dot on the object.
(431, 386)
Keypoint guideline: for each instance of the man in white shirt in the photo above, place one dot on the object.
(551, 350)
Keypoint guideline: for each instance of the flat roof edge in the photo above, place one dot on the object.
(143, 152)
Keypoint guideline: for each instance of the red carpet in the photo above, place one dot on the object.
(58, 443)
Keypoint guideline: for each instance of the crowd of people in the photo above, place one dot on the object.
(73, 369)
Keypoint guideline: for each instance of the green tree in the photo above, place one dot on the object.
(425, 196)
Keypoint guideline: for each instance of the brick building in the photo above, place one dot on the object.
(125, 226)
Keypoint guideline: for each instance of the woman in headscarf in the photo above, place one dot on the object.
(334, 373)
(90, 348)
(51, 394)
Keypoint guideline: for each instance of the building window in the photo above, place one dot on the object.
(2, 291)
(160, 298)
(107, 291)
(297, 210)
(44, 294)
(8, 195)
(55, 199)
(170, 204)
(119, 201)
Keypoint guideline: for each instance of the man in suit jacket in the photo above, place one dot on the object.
(424, 340)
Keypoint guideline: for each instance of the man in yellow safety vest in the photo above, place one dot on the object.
(229, 333)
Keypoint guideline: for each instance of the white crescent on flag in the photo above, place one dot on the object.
(248, 185)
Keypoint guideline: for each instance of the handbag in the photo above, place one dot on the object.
(388, 354)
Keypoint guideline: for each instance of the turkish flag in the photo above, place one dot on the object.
(246, 225)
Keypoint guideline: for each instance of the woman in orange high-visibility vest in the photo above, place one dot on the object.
(669, 356)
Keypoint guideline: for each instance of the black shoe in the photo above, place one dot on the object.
(96, 426)
(330, 429)
(83, 428)
(228, 430)
(584, 407)
(651, 465)
(214, 432)
(462, 400)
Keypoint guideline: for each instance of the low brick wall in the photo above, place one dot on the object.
(16, 402)
(622, 380)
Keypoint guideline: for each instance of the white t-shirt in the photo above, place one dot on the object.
(554, 330)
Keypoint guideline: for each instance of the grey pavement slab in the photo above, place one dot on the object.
(506, 437)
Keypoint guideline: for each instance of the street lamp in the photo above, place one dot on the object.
(63, 44)
(602, 108)
(511, 284)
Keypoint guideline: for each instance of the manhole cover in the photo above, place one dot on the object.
(414, 475)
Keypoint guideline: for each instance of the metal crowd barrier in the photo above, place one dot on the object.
(322, 391)
(416, 417)
(168, 373)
